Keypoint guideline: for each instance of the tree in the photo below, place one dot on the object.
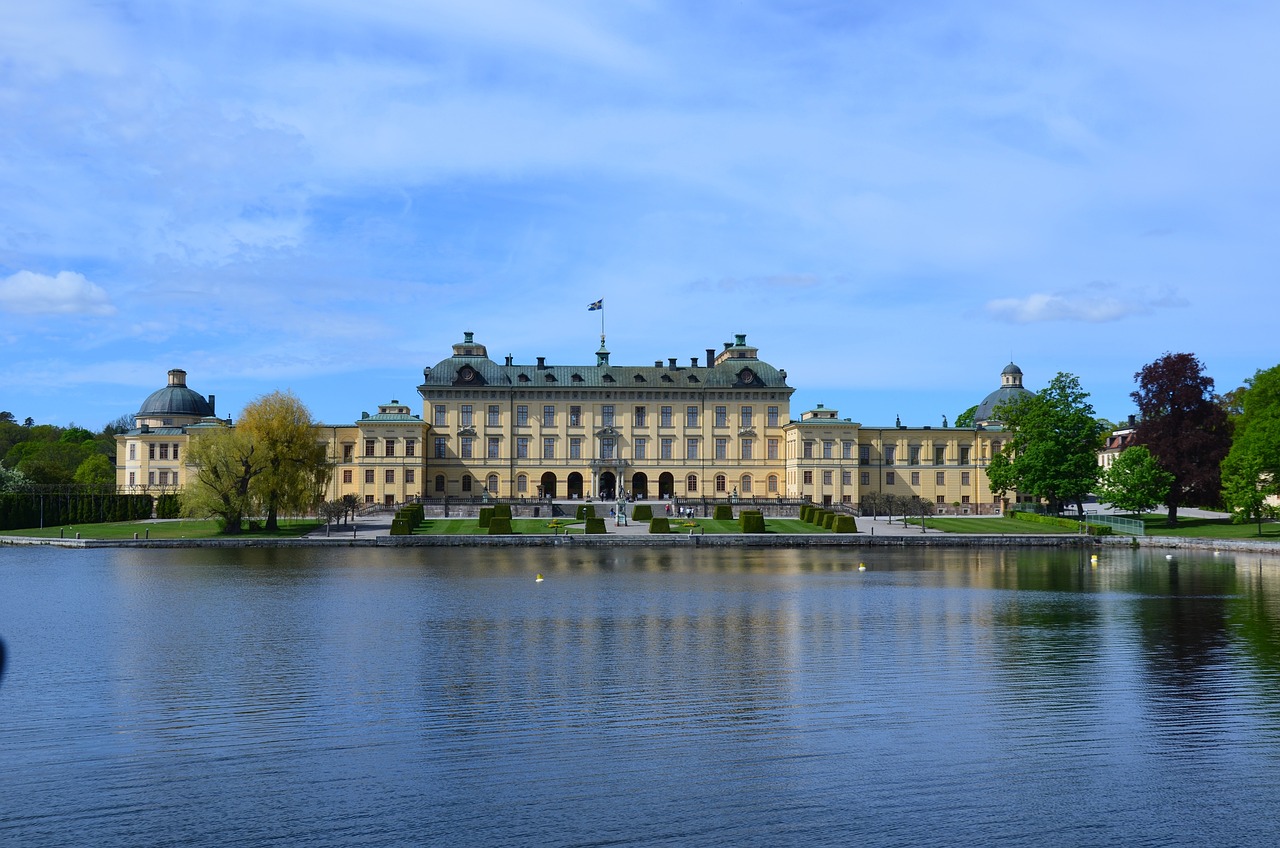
(12, 480)
(1183, 426)
(1052, 452)
(295, 464)
(966, 418)
(226, 462)
(1251, 469)
(1135, 482)
(6, 415)
(95, 470)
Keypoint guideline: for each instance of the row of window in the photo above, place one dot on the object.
(389, 448)
(608, 416)
(889, 452)
(160, 450)
(745, 483)
(608, 448)
(389, 475)
(161, 478)
(890, 478)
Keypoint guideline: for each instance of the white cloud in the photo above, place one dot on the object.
(69, 293)
(1091, 305)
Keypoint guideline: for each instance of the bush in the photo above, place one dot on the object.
(641, 512)
(828, 519)
(806, 513)
(595, 527)
(1055, 521)
(845, 524)
(752, 521)
(586, 511)
(724, 512)
(502, 510)
(168, 506)
(486, 516)
(659, 524)
(400, 527)
(499, 526)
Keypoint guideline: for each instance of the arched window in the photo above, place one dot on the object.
(721, 482)
(439, 482)
(522, 483)
(773, 484)
(492, 484)
(691, 483)
(466, 482)
(746, 484)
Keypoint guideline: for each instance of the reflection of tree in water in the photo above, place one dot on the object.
(1254, 620)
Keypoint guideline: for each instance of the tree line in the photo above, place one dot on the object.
(46, 454)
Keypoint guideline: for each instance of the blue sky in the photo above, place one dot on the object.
(890, 199)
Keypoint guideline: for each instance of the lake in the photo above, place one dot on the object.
(638, 697)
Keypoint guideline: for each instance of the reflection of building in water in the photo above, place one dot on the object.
(719, 426)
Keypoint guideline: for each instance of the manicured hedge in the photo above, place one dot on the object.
(502, 510)
(659, 524)
(595, 527)
(21, 510)
(486, 516)
(499, 526)
(806, 513)
(586, 511)
(724, 512)
(401, 527)
(845, 524)
(168, 506)
(751, 521)
(828, 519)
(1055, 521)
(641, 512)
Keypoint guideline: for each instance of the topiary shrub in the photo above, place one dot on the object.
(595, 527)
(586, 511)
(828, 519)
(752, 521)
(400, 527)
(502, 510)
(806, 513)
(659, 524)
(499, 526)
(641, 512)
(724, 512)
(845, 524)
(486, 516)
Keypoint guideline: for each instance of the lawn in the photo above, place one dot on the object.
(1210, 528)
(522, 526)
(205, 528)
(993, 525)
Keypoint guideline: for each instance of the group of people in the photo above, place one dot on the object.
(684, 511)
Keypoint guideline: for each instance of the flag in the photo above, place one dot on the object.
(599, 304)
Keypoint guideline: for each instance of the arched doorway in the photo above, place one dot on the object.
(547, 488)
(608, 487)
(666, 485)
(574, 485)
(640, 485)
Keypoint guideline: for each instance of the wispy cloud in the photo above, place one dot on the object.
(1095, 304)
(68, 293)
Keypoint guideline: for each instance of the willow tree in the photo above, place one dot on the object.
(226, 462)
(295, 463)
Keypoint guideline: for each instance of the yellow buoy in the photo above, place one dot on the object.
(862, 566)
(538, 579)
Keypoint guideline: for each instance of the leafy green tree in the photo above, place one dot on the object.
(6, 415)
(1052, 452)
(226, 462)
(295, 463)
(966, 418)
(95, 470)
(51, 462)
(1184, 428)
(12, 480)
(1135, 482)
(1251, 469)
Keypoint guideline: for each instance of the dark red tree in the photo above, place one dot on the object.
(1183, 426)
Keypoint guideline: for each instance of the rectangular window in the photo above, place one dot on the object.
(151, 451)
(846, 450)
(133, 480)
(913, 455)
(164, 478)
(522, 415)
(722, 416)
(642, 448)
(722, 448)
(640, 416)
(495, 414)
(864, 478)
(522, 484)
(964, 455)
(133, 451)
(466, 416)
(964, 478)
(164, 450)
(771, 448)
(691, 416)
(888, 454)
(346, 476)
(575, 416)
(368, 475)
(940, 478)
(941, 500)
(439, 482)
(391, 447)
(441, 415)
(575, 448)
(747, 449)
(175, 456)
(368, 499)
(828, 449)
(466, 447)
(889, 479)
(606, 415)
(915, 478)
(807, 452)
(826, 478)
(690, 448)
(665, 416)
(773, 483)
(964, 499)
(548, 416)
(493, 447)
(864, 454)
(808, 478)
(440, 447)
(408, 475)
(548, 448)
(410, 447)
(744, 414)
(347, 452)
(370, 447)
(391, 475)
(939, 455)
(606, 448)
(772, 416)
(522, 447)
(466, 482)
(666, 448)
(846, 478)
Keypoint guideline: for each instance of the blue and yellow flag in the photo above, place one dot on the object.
(599, 304)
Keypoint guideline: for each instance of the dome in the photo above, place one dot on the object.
(175, 399)
(1010, 389)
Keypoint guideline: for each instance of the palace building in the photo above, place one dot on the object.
(717, 425)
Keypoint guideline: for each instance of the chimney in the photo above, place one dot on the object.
(711, 356)
(468, 336)
(657, 363)
(542, 363)
(212, 404)
(509, 358)
(693, 362)
(1133, 421)
(671, 363)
